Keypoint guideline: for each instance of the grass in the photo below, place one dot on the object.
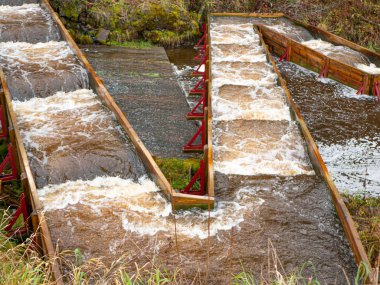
(132, 44)
(366, 213)
(19, 264)
(178, 171)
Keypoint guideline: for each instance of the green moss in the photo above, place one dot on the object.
(178, 171)
(132, 44)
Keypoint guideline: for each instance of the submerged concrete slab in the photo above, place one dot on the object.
(143, 84)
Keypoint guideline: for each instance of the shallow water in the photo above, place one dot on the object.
(41, 70)
(345, 126)
(27, 23)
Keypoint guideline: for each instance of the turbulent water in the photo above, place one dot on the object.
(41, 70)
(72, 136)
(345, 126)
(252, 130)
(27, 23)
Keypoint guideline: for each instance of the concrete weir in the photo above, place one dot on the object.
(90, 182)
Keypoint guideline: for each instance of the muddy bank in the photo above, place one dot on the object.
(144, 85)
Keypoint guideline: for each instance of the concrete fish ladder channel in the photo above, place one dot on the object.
(75, 148)
(258, 137)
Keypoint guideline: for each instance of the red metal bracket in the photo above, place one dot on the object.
(202, 42)
(361, 89)
(203, 28)
(286, 55)
(201, 54)
(9, 159)
(376, 90)
(197, 72)
(3, 134)
(193, 114)
(21, 210)
(199, 175)
(190, 146)
(324, 71)
(200, 88)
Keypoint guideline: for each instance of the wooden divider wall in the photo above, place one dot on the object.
(316, 61)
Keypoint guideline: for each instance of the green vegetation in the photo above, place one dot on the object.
(134, 44)
(174, 22)
(178, 171)
(167, 23)
(366, 213)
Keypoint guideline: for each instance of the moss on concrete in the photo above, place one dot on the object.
(178, 171)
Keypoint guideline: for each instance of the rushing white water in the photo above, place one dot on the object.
(371, 68)
(42, 69)
(28, 22)
(142, 208)
(354, 165)
(252, 129)
(341, 53)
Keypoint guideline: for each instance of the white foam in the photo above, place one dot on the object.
(371, 68)
(242, 152)
(142, 208)
(242, 34)
(339, 52)
(50, 123)
(354, 165)
(24, 9)
(39, 53)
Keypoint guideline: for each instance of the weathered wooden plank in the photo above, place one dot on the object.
(314, 60)
(330, 37)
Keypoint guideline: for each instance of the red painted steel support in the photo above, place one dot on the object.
(286, 55)
(190, 146)
(21, 210)
(200, 88)
(202, 42)
(203, 28)
(361, 89)
(201, 54)
(9, 159)
(324, 71)
(193, 114)
(197, 72)
(199, 175)
(376, 90)
(3, 134)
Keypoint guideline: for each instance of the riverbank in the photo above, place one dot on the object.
(175, 22)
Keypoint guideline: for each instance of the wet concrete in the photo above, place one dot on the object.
(143, 84)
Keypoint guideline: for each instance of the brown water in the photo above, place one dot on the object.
(27, 23)
(40, 70)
